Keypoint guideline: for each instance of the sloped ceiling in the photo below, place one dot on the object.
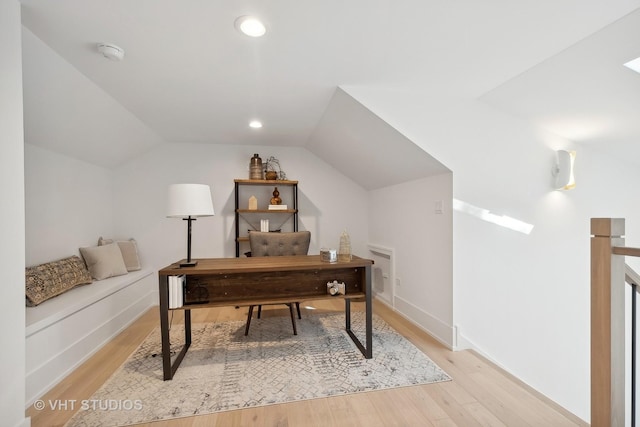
(189, 76)
(584, 93)
(366, 148)
(67, 113)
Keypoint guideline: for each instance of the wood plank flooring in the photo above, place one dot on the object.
(479, 395)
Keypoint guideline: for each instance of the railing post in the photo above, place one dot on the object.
(607, 324)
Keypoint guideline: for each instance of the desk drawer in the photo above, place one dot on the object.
(270, 285)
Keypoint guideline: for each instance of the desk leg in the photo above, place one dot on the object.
(164, 327)
(369, 311)
(187, 327)
(168, 369)
(347, 314)
(368, 350)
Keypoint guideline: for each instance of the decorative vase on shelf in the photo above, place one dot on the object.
(255, 167)
(275, 200)
(344, 250)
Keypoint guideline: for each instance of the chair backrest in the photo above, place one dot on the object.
(279, 244)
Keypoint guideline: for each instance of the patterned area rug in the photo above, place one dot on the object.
(224, 370)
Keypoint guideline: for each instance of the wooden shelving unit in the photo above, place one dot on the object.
(251, 215)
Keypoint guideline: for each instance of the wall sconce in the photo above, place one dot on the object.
(563, 170)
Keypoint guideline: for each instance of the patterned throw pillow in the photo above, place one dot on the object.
(48, 280)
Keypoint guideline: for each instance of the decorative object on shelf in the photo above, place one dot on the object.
(255, 167)
(328, 255)
(271, 175)
(275, 200)
(264, 225)
(335, 288)
(270, 231)
(253, 203)
(344, 252)
(279, 207)
(188, 201)
(283, 217)
(273, 170)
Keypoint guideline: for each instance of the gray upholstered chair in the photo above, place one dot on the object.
(278, 244)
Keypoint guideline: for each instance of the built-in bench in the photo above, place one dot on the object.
(64, 331)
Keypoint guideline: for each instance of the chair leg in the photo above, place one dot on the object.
(293, 319)
(298, 308)
(259, 311)
(246, 328)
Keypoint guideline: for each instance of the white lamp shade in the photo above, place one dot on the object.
(189, 200)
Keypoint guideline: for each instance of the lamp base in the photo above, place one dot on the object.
(188, 264)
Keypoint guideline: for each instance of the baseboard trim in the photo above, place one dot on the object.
(565, 412)
(466, 344)
(433, 326)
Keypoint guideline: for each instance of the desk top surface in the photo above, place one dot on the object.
(261, 264)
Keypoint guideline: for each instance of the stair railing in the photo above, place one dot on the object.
(608, 327)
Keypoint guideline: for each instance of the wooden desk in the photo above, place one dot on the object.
(219, 282)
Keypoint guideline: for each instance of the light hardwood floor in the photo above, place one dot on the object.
(479, 395)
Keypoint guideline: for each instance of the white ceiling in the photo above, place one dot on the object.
(189, 76)
(584, 93)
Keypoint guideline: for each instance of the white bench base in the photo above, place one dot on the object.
(63, 332)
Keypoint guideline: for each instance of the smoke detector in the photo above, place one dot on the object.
(111, 51)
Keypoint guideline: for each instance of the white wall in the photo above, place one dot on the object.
(328, 201)
(514, 296)
(69, 204)
(70, 114)
(523, 300)
(403, 217)
(12, 259)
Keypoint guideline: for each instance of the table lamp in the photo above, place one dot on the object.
(188, 201)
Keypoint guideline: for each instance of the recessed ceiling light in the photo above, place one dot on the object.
(634, 65)
(256, 124)
(251, 26)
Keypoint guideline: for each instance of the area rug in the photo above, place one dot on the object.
(224, 370)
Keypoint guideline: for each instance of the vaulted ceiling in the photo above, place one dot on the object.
(189, 76)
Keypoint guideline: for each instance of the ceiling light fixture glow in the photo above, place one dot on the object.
(255, 124)
(251, 26)
(634, 65)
